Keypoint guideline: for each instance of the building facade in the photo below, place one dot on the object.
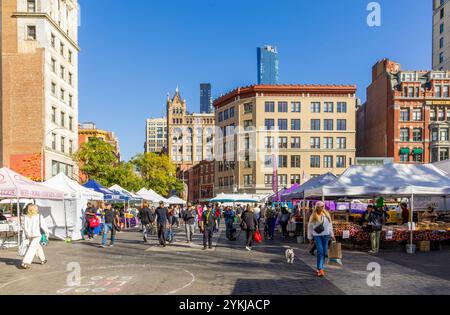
(156, 135)
(406, 116)
(302, 131)
(268, 65)
(206, 106)
(441, 35)
(190, 136)
(89, 130)
(200, 179)
(39, 87)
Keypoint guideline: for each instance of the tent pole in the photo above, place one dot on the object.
(65, 219)
(304, 220)
(411, 216)
(19, 236)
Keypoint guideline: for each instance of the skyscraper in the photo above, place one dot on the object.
(206, 106)
(268, 63)
(441, 35)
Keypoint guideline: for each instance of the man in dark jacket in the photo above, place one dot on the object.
(189, 222)
(145, 216)
(373, 220)
(162, 220)
(110, 215)
(249, 224)
(208, 224)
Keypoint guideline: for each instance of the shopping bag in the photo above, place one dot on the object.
(257, 237)
(335, 251)
(44, 240)
(24, 247)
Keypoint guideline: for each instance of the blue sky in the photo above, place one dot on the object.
(134, 52)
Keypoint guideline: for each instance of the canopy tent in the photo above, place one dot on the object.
(149, 196)
(174, 200)
(154, 193)
(16, 186)
(391, 180)
(443, 166)
(123, 191)
(66, 220)
(287, 191)
(109, 195)
(245, 198)
(315, 182)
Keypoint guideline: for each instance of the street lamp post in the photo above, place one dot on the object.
(43, 151)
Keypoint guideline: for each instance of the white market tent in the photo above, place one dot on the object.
(16, 186)
(392, 180)
(174, 200)
(313, 183)
(151, 196)
(66, 219)
(244, 198)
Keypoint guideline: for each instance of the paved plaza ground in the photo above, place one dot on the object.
(132, 267)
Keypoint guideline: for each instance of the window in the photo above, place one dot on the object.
(295, 161)
(295, 124)
(282, 107)
(268, 161)
(404, 114)
(225, 114)
(70, 100)
(441, 43)
(248, 180)
(270, 107)
(341, 107)
(54, 115)
(418, 158)
(435, 135)
(404, 134)
(220, 116)
(295, 143)
(328, 161)
(70, 146)
(63, 94)
(70, 123)
(53, 88)
(341, 143)
(441, 114)
(341, 161)
(433, 114)
(220, 182)
(282, 124)
(445, 89)
(282, 180)
(315, 124)
(341, 124)
(248, 108)
(53, 40)
(282, 143)
(268, 179)
(328, 143)
(328, 107)
(441, 28)
(417, 134)
(328, 124)
(444, 135)
(31, 6)
(63, 119)
(315, 107)
(53, 65)
(296, 107)
(70, 56)
(282, 161)
(62, 72)
(269, 142)
(295, 179)
(441, 57)
(315, 161)
(269, 124)
(61, 49)
(315, 143)
(411, 92)
(438, 91)
(404, 158)
(417, 115)
(53, 141)
(70, 78)
(232, 112)
(31, 32)
(442, 13)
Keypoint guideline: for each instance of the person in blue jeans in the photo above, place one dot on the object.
(109, 215)
(320, 230)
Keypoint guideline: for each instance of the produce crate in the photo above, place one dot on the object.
(423, 246)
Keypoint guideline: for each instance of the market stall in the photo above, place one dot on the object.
(389, 181)
(67, 222)
(16, 186)
(174, 200)
(151, 196)
(130, 216)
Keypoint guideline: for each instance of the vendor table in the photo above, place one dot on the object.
(8, 235)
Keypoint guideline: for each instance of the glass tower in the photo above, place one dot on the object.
(268, 63)
(206, 105)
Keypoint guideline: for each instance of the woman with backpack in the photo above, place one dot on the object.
(320, 230)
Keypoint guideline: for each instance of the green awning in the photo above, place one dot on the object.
(405, 151)
(417, 151)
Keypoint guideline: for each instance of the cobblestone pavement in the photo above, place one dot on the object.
(132, 267)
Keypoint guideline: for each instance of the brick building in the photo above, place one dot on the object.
(39, 87)
(406, 116)
(200, 179)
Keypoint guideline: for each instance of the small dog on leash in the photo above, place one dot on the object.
(290, 255)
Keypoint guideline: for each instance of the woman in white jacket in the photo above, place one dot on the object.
(320, 230)
(34, 225)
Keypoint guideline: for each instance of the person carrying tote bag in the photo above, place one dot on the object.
(320, 231)
(36, 232)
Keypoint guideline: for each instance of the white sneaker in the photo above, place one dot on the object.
(248, 248)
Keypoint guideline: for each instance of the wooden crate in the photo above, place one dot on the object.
(423, 246)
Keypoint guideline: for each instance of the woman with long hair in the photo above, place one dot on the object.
(249, 224)
(34, 226)
(320, 230)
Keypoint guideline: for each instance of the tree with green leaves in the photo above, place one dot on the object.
(157, 172)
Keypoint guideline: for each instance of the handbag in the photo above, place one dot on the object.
(44, 239)
(244, 225)
(320, 228)
(257, 237)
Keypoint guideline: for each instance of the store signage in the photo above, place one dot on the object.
(389, 235)
(438, 102)
(346, 235)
